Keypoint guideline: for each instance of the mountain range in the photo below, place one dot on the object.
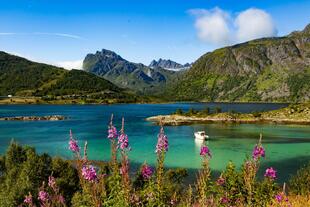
(135, 76)
(268, 69)
(169, 65)
(264, 70)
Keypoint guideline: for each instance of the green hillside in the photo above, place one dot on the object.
(269, 69)
(21, 77)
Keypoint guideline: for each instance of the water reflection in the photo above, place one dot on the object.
(199, 142)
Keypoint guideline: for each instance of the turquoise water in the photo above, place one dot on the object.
(287, 146)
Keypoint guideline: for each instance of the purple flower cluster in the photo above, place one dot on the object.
(224, 200)
(112, 132)
(73, 145)
(28, 199)
(43, 196)
(146, 172)
(61, 199)
(89, 173)
(162, 142)
(280, 197)
(258, 152)
(271, 173)
(52, 182)
(123, 141)
(205, 151)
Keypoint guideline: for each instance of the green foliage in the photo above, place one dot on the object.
(299, 183)
(176, 175)
(24, 171)
(218, 110)
(299, 84)
(257, 114)
(179, 112)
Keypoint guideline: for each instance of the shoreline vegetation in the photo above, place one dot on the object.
(34, 118)
(81, 101)
(293, 114)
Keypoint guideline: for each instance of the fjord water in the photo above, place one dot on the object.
(287, 146)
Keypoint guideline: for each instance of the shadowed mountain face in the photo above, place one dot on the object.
(268, 69)
(126, 74)
(168, 65)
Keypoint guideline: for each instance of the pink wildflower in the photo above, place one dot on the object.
(204, 150)
(52, 182)
(279, 197)
(112, 132)
(73, 145)
(123, 141)
(162, 142)
(224, 200)
(270, 173)
(61, 199)
(146, 172)
(43, 196)
(28, 199)
(89, 173)
(258, 152)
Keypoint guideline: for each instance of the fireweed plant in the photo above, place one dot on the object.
(113, 185)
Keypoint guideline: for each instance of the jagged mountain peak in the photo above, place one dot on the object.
(123, 73)
(168, 64)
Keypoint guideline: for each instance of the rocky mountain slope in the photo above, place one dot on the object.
(168, 65)
(126, 74)
(21, 77)
(268, 69)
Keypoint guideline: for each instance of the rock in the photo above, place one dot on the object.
(168, 64)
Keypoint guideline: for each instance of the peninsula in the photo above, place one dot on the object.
(293, 114)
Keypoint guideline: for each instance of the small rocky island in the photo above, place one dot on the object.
(34, 118)
(293, 114)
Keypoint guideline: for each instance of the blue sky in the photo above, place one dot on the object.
(63, 32)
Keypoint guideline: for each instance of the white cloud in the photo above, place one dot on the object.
(220, 28)
(212, 26)
(69, 65)
(74, 64)
(254, 23)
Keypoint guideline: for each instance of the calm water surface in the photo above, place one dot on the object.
(287, 146)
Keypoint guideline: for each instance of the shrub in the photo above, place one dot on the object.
(300, 183)
(218, 110)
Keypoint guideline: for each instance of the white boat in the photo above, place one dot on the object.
(201, 135)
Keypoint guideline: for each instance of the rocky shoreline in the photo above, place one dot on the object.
(177, 120)
(295, 114)
(34, 118)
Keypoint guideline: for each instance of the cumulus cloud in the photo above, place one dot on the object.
(75, 64)
(254, 23)
(220, 28)
(212, 25)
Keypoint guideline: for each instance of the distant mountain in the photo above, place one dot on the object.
(21, 77)
(123, 73)
(168, 65)
(268, 69)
